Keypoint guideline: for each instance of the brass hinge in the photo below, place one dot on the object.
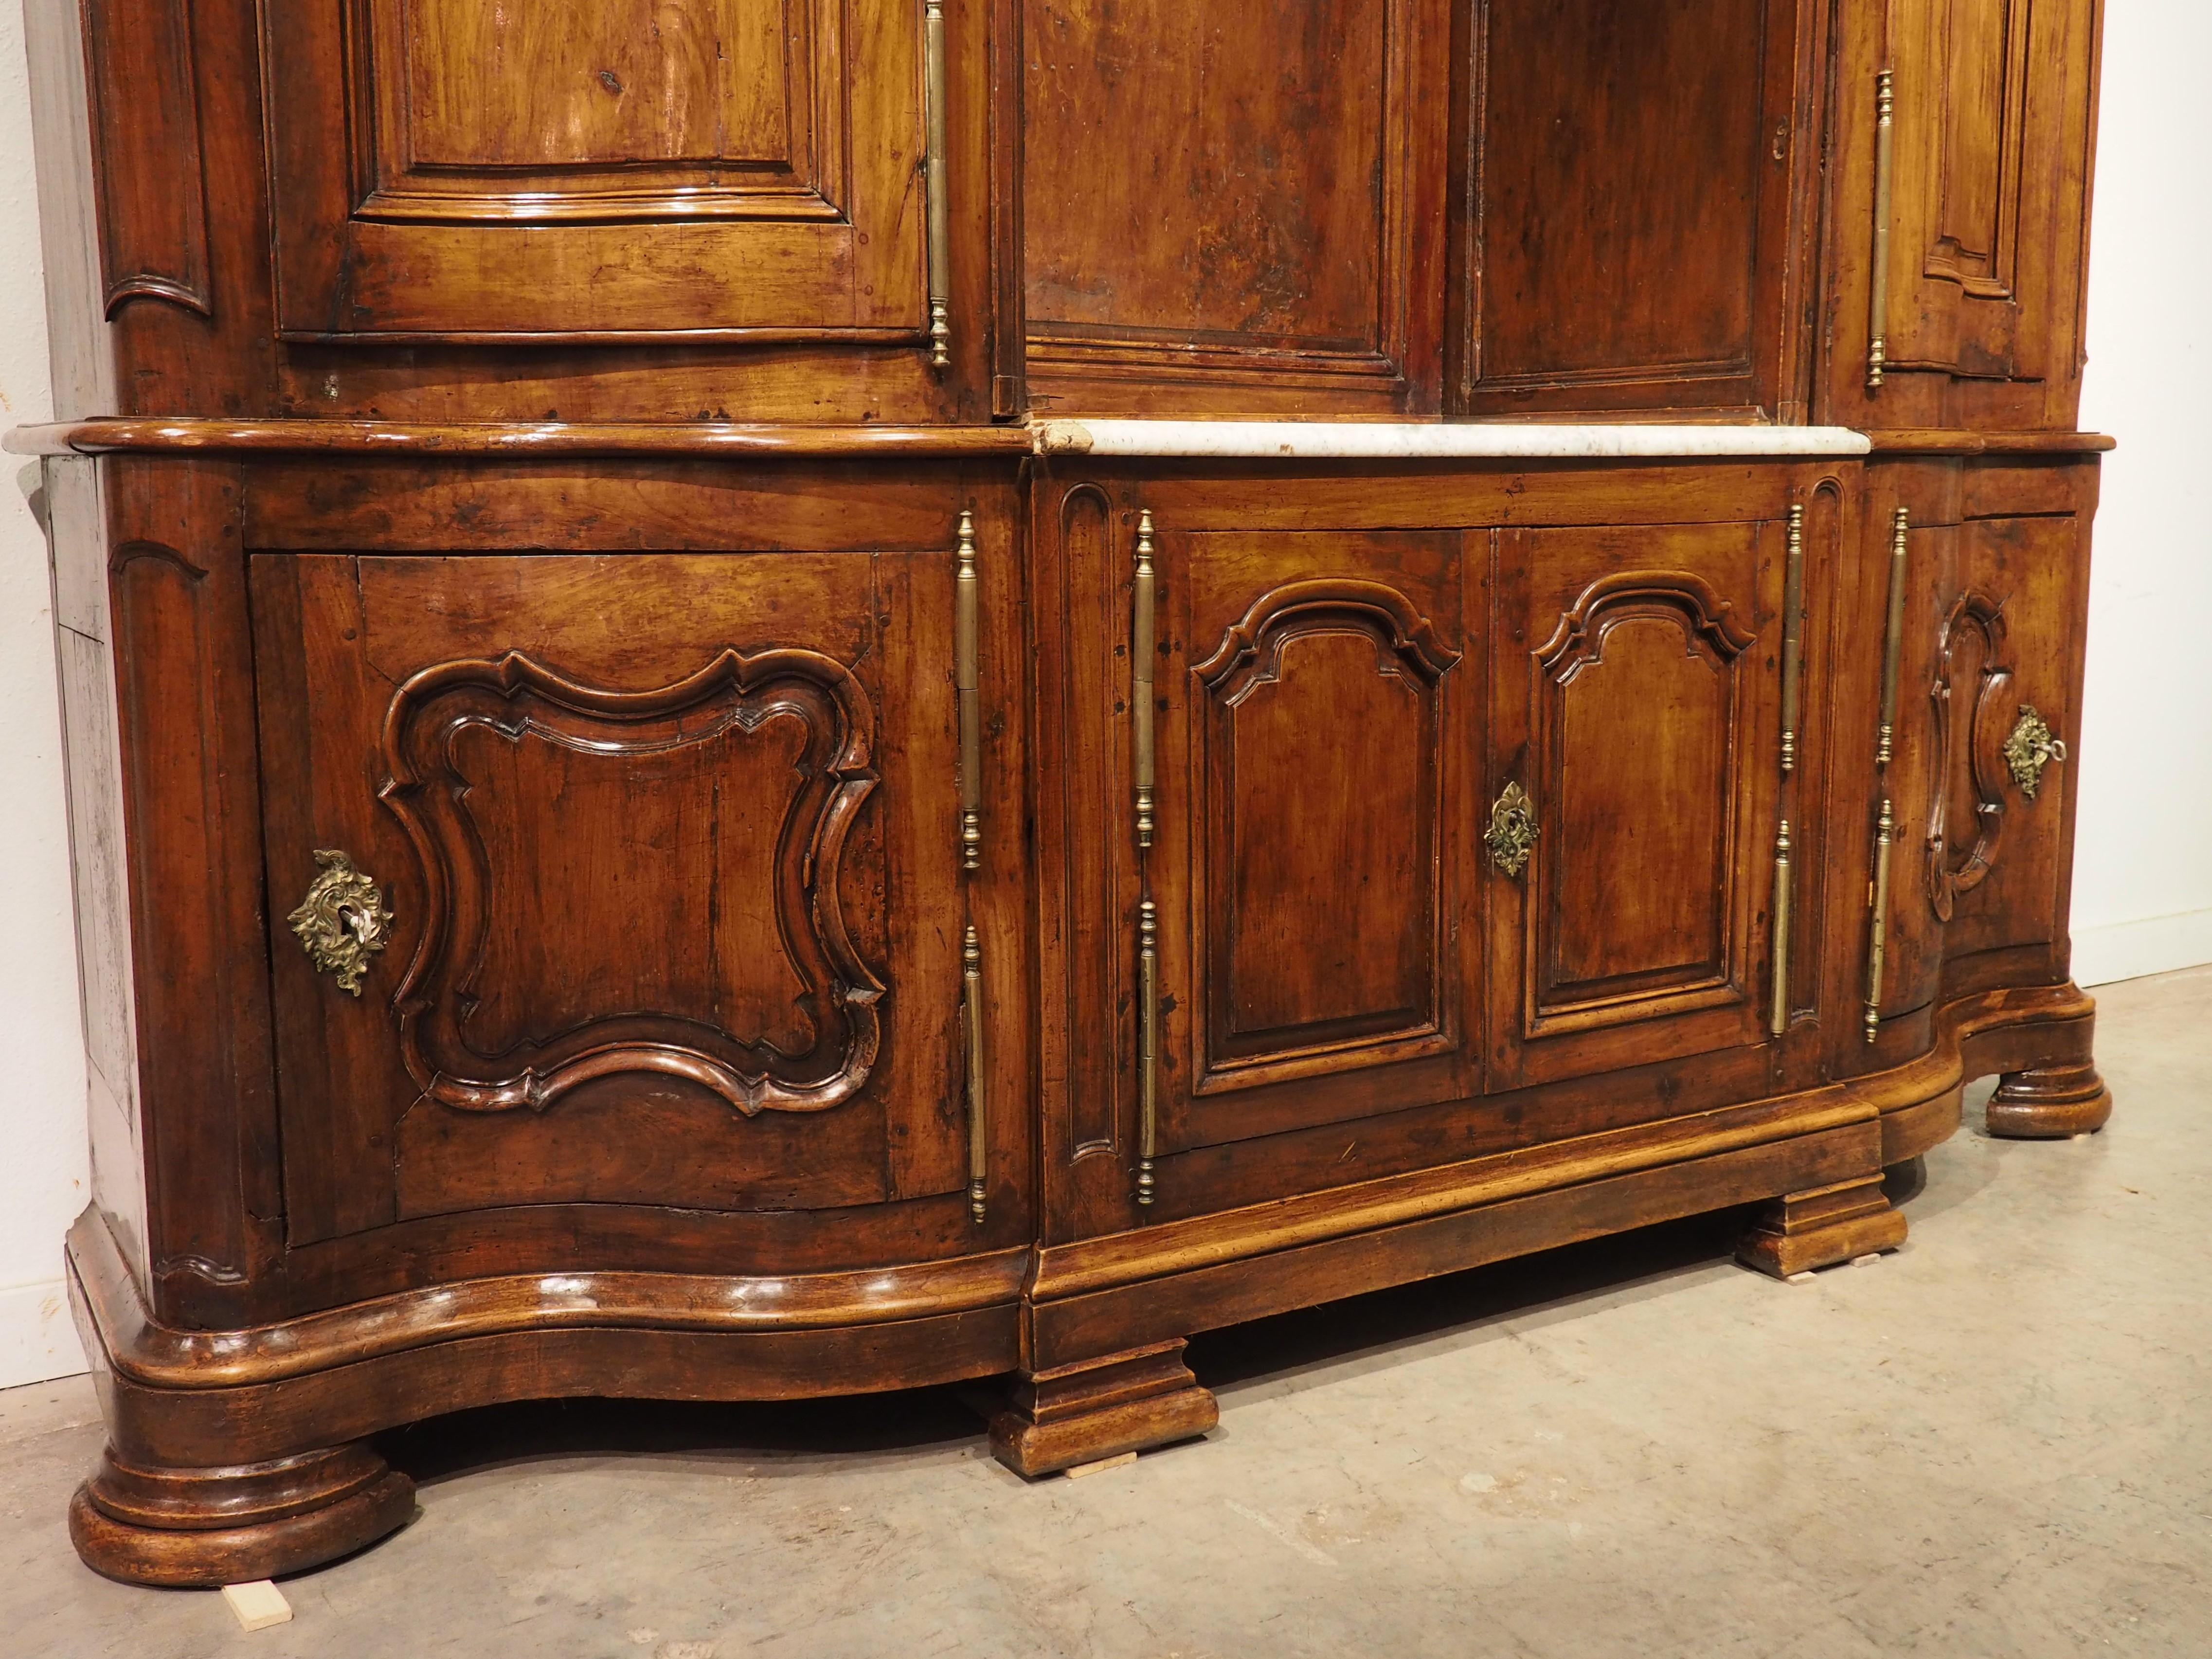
(939, 186)
(971, 1020)
(1885, 147)
(967, 622)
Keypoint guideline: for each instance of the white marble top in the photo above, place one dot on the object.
(1417, 440)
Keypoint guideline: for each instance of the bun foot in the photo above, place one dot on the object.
(1100, 1409)
(230, 1526)
(2048, 1104)
(1801, 1231)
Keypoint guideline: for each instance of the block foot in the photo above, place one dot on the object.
(1801, 1231)
(1101, 1408)
(230, 1526)
(2048, 1104)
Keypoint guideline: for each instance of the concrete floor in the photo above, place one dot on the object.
(1995, 1442)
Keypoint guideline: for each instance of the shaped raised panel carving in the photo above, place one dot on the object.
(1971, 729)
(1969, 180)
(1976, 221)
(713, 168)
(1319, 775)
(1635, 738)
(554, 821)
(706, 108)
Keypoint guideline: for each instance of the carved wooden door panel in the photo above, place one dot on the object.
(1631, 825)
(671, 856)
(1988, 102)
(1987, 715)
(1307, 865)
(1608, 142)
(704, 167)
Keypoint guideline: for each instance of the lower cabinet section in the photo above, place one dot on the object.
(753, 931)
(1387, 799)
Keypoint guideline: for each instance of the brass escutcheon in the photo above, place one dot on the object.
(2032, 746)
(343, 921)
(1512, 831)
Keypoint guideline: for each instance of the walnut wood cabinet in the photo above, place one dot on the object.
(767, 700)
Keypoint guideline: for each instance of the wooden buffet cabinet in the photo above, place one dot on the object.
(770, 700)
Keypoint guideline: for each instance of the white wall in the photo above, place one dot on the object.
(42, 1141)
(2142, 895)
(2143, 855)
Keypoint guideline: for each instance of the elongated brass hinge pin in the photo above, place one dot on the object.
(939, 185)
(1885, 150)
(1143, 644)
(1893, 641)
(1148, 1046)
(1779, 1023)
(1892, 654)
(1793, 636)
(1884, 836)
(971, 1020)
(967, 620)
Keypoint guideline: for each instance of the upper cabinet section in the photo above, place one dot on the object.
(707, 168)
(1233, 205)
(1630, 238)
(1962, 221)
(1865, 215)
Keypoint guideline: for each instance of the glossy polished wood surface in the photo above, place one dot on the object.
(645, 825)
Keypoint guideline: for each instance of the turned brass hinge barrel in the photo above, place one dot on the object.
(1778, 1022)
(971, 1021)
(967, 622)
(1893, 641)
(1148, 1046)
(1793, 651)
(1793, 636)
(939, 185)
(1144, 645)
(1893, 656)
(1885, 836)
(1144, 648)
(1885, 157)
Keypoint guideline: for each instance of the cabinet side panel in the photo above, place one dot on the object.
(76, 326)
(94, 766)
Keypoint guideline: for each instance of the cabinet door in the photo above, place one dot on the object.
(1308, 868)
(1632, 820)
(1987, 712)
(671, 848)
(1989, 109)
(466, 168)
(1632, 218)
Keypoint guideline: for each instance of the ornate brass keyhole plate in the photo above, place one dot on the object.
(342, 921)
(1512, 833)
(2032, 746)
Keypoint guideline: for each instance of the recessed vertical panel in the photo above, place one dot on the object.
(1638, 878)
(1330, 928)
(1319, 767)
(1225, 193)
(1628, 211)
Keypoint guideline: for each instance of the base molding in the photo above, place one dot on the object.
(186, 1527)
(1801, 1231)
(2050, 1103)
(237, 1453)
(1081, 1413)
